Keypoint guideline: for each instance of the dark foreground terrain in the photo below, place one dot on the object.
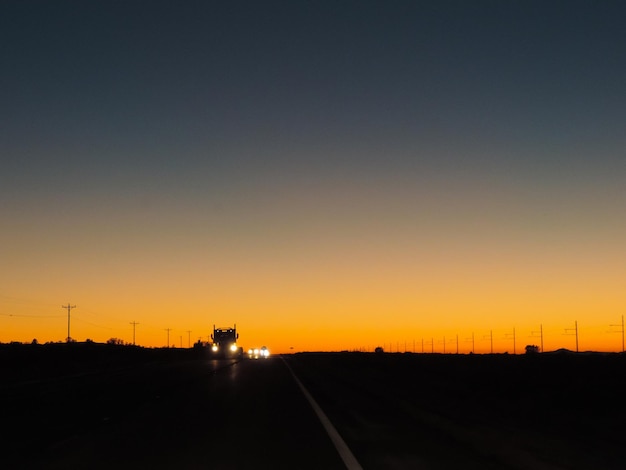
(543, 411)
(104, 406)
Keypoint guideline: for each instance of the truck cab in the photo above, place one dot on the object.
(225, 342)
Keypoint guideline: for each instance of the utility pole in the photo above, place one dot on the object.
(473, 342)
(189, 338)
(513, 335)
(68, 307)
(575, 330)
(168, 336)
(534, 333)
(490, 339)
(514, 349)
(621, 331)
(134, 323)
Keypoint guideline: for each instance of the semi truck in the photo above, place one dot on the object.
(225, 342)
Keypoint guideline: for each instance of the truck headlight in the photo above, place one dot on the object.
(233, 347)
(214, 348)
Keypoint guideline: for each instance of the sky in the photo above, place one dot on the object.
(326, 175)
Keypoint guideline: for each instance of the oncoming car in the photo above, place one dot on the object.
(259, 353)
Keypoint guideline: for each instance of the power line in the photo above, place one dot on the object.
(30, 316)
(95, 324)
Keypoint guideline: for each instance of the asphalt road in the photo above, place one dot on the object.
(528, 412)
(194, 414)
(403, 412)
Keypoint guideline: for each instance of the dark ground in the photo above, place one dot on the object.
(100, 407)
(70, 403)
(553, 410)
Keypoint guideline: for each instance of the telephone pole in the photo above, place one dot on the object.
(168, 336)
(490, 337)
(575, 332)
(134, 323)
(189, 338)
(621, 331)
(472, 340)
(533, 334)
(513, 336)
(68, 307)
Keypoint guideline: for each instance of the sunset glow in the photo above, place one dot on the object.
(327, 179)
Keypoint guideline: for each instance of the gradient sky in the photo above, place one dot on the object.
(328, 175)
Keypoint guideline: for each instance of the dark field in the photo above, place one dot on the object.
(542, 411)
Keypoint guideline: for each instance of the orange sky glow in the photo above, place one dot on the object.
(326, 176)
(383, 272)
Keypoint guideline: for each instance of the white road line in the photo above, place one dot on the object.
(344, 451)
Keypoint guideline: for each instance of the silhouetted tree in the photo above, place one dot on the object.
(532, 349)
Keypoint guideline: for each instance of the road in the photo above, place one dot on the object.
(194, 414)
(390, 413)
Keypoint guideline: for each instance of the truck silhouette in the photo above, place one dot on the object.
(225, 342)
